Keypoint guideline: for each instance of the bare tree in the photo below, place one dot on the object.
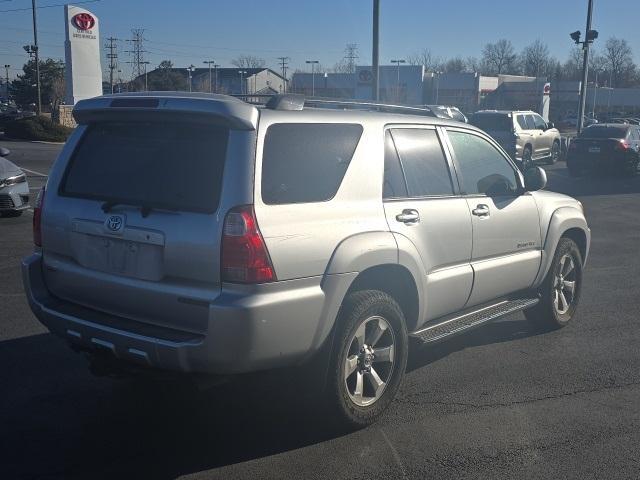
(248, 61)
(618, 60)
(499, 57)
(426, 58)
(454, 65)
(535, 59)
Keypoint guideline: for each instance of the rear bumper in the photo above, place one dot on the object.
(250, 328)
(600, 161)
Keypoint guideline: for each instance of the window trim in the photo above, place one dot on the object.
(519, 178)
(455, 187)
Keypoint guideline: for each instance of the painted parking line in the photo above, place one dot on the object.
(34, 172)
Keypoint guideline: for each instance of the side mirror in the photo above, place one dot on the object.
(4, 152)
(535, 178)
(551, 125)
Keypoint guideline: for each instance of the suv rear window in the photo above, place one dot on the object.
(492, 122)
(170, 165)
(306, 162)
(602, 131)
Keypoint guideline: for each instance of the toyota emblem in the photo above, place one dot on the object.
(83, 21)
(114, 223)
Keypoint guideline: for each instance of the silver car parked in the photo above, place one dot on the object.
(198, 233)
(14, 188)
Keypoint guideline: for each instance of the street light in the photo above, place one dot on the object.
(437, 74)
(242, 73)
(190, 69)
(6, 79)
(313, 76)
(210, 63)
(146, 78)
(590, 36)
(398, 62)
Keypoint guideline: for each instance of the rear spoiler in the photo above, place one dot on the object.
(220, 109)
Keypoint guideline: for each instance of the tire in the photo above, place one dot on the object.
(552, 312)
(555, 154)
(363, 315)
(633, 169)
(527, 158)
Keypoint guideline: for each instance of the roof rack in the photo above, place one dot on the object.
(295, 101)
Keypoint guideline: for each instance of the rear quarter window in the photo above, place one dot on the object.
(306, 162)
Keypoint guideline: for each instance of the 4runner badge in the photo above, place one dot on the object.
(114, 223)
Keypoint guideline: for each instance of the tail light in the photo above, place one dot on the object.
(245, 258)
(622, 145)
(37, 218)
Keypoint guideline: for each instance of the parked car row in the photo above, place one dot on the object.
(524, 135)
(606, 146)
(14, 189)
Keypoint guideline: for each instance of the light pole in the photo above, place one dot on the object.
(6, 79)
(210, 63)
(215, 72)
(437, 74)
(146, 78)
(375, 51)
(37, 58)
(398, 62)
(190, 69)
(242, 73)
(313, 76)
(590, 36)
(595, 94)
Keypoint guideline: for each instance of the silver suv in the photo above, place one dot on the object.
(199, 233)
(525, 135)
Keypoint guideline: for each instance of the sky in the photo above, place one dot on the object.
(191, 31)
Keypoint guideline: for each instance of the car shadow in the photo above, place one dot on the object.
(60, 420)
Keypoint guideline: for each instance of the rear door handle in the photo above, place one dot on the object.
(408, 216)
(481, 211)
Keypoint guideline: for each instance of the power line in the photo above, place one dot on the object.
(137, 53)
(48, 6)
(350, 55)
(112, 56)
(284, 62)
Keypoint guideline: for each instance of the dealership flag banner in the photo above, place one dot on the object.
(83, 72)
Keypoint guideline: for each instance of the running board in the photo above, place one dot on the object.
(462, 323)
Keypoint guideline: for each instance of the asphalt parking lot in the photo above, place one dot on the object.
(505, 401)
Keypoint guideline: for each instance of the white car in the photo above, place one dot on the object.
(14, 189)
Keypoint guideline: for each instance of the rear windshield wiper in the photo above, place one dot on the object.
(145, 210)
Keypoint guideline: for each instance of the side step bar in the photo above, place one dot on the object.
(462, 323)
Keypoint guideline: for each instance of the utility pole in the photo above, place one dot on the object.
(590, 36)
(6, 79)
(350, 55)
(210, 63)
(137, 53)
(215, 72)
(284, 62)
(112, 56)
(375, 53)
(313, 76)
(37, 58)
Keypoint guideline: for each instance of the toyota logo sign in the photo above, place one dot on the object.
(114, 223)
(83, 21)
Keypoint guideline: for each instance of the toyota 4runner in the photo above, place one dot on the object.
(200, 233)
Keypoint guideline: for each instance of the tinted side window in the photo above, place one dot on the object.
(423, 161)
(522, 122)
(394, 184)
(539, 122)
(531, 124)
(483, 168)
(306, 162)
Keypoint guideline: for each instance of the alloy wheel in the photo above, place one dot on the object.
(369, 361)
(564, 287)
